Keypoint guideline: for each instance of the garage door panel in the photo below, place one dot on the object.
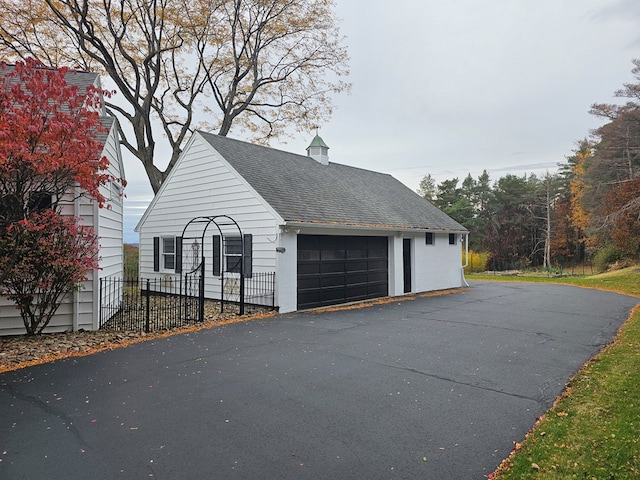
(381, 253)
(332, 254)
(332, 267)
(377, 290)
(328, 242)
(332, 281)
(340, 269)
(361, 278)
(357, 254)
(308, 299)
(309, 255)
(332, 294)
(378, 265)
(358, 293)
(310, 283)
(378, 277)
(308, 268)
(357, 266)
(308, 242)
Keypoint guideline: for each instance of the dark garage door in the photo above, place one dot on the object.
(334, 270)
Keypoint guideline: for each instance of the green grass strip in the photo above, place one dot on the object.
(593, 430)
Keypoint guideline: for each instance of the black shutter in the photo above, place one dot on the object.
(178, 255)
(156, 254)
(216, 255)
(248, 255)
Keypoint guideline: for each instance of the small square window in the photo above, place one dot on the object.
(452, 239)
(429, 238)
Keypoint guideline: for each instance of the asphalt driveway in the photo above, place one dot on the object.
(432, 388)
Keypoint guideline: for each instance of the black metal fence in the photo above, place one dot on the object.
(259, 289)
(166, 303)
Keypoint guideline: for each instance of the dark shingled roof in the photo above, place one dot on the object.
(73, 77)
(82, 80)
(300, 189)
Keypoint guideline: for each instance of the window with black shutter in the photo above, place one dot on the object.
(230, 249)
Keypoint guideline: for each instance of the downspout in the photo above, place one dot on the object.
(466, 259)
(95, 277)
(76, 292)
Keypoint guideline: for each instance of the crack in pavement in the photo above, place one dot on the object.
(49, 410)
(539, 401)
(545, 337)
(459, 382)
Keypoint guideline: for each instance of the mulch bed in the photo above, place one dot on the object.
(23, 351)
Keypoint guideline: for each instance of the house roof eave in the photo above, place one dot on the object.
(353, 226)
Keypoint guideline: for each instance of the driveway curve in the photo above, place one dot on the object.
(431, 387)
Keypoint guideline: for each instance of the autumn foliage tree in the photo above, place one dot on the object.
(609, 206)
(49, 154)
(263, 66)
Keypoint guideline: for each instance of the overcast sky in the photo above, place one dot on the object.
(451, 88)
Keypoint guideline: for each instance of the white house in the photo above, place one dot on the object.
(81, 310)
(332, 233)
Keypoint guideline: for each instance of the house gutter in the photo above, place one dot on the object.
(389, 228)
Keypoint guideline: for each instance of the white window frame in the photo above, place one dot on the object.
(166, 255)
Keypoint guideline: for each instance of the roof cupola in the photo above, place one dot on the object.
(318, 150)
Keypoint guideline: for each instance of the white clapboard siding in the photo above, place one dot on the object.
(110, 235)
(203, 184)
(10, 319)
(11, 322)
(110, 224)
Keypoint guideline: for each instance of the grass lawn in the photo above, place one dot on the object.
(593, 430)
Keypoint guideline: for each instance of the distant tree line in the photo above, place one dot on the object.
(588, 209)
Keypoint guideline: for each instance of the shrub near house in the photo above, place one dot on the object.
(51, 158)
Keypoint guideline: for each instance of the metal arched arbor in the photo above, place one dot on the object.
(195, 253)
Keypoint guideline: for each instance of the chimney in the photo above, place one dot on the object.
(318, 150)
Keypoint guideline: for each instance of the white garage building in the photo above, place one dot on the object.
(332, 233)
